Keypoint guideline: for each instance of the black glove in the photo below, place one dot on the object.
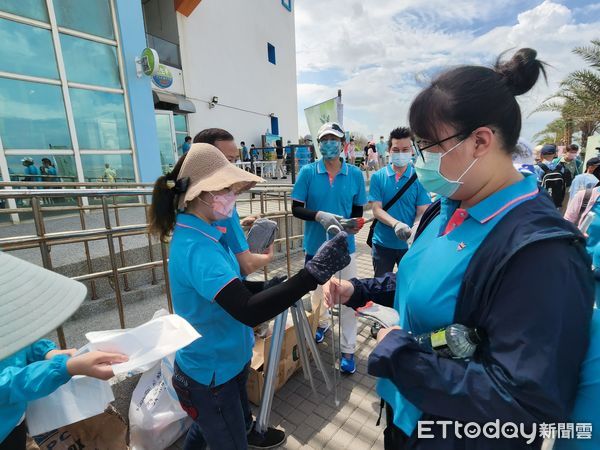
(274, 281)
(332, 257)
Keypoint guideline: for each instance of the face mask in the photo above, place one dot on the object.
(223, 205)
(400, 159)
(330, 149)
(430, 176)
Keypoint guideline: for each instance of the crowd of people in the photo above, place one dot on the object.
(492, 252)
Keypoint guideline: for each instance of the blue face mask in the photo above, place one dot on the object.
(330, 149)
(428, 170)
(400, 159)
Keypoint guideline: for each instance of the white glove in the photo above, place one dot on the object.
(402, 231)
(327, 219)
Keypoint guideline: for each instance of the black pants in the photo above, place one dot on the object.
(393, 437)
(17, 439)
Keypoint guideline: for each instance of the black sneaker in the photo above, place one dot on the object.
(270, 439)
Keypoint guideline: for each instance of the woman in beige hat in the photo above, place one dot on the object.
(208, 291)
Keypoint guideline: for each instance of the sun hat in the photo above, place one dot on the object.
(33, 302)
(207, 169)
(27, 159)
(330, 128)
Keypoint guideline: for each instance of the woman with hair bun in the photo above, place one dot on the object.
(493, 255)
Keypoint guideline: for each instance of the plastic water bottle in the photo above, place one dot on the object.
(455, 341)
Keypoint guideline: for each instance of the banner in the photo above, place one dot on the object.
(328, 111)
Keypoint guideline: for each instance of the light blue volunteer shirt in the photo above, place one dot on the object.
(200, 266)
(430, 274)
(382, 189)
(318, 193)
(26, 376)
(381, 148)
(234, 237)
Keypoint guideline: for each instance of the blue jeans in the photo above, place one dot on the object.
(384, 259)
(222, 415)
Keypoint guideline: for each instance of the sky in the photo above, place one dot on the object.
(381, 53)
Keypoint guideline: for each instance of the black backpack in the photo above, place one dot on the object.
(555, 182)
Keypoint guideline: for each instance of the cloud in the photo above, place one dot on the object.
(387, 50)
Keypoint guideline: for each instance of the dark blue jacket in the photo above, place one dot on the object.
(529, 287)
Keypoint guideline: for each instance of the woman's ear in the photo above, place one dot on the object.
(485, 139)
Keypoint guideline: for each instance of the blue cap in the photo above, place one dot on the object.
(548, 149)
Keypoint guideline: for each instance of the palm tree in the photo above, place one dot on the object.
(554, 132)
(578, 99)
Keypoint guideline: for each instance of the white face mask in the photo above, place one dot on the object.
(400, 159)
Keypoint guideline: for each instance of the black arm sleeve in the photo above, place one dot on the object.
(254, 286)
(253, 309)
(299, 211)
(357, 211)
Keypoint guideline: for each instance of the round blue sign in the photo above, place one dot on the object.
(163, 77)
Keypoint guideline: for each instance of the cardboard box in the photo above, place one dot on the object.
(289, 361)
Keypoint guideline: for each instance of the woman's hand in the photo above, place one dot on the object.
(384, 332)
(52, 353)
(247, 222)
(95, 364)
(335, 291)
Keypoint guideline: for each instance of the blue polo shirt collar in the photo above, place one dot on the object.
(191, 222)
(322, 169)
(505, 199)
(391, 173)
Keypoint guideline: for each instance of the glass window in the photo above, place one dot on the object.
(271, 53)
(32, 116)
(27, 50)
(89, 16)
(180, 137)
(34, 9)
(108, 168)
(100, 120)
(180, 123)
(165, 141)
(51, 168)
(168, 52)
(90, 62)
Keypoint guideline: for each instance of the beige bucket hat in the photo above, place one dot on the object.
(209, 170)
(33, 302)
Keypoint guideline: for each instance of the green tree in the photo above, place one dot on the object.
(578, 98)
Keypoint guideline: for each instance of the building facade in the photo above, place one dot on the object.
(71, 94)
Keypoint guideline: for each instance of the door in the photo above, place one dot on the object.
(167, 143)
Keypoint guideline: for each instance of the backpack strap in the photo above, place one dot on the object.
(585, 202)
(430, 213)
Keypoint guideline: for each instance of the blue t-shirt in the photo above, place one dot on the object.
(200, 266)
(430, 274)
(32, 170)
(26, 376)
(245, 155)
(381, 148)
(234, 235)
(587, 399)
(383, 187)
(318, 193)
(186, 146)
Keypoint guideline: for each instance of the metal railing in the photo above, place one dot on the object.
(273, 202)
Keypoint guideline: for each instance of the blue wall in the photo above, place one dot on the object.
(133, 41)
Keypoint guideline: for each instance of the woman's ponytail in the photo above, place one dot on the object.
(163, 210)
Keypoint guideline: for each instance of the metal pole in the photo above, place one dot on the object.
(86, 247)
(271, 364)
(305, 361)
(113, 262)
(121, 248)
(150, 247)
(312, 345)
(45, 252)
(165, 258)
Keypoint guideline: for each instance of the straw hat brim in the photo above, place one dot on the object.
(33, 303)
(229, 176)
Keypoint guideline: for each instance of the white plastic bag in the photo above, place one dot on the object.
(80, 398)
(156, 419)
(146, 344)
